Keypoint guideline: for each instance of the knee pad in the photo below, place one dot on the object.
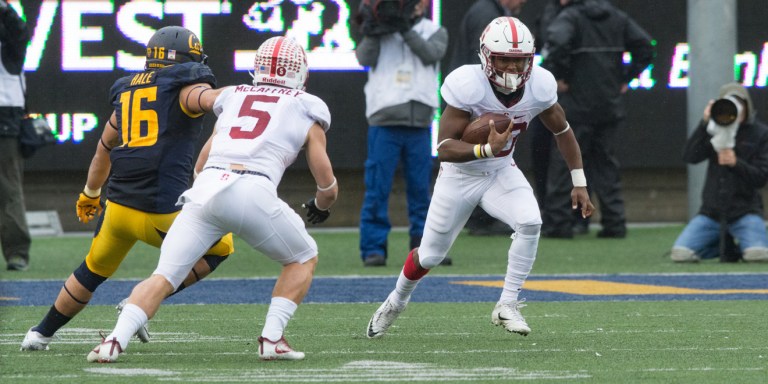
(214, 261)
(756, 254)
(528, 229)
(684, 255)
(87, 278)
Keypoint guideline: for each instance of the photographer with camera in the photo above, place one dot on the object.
(402, 50)
(736, 145)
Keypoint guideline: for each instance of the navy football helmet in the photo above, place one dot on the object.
(173, 45)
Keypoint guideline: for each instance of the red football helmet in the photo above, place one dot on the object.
(506, 37)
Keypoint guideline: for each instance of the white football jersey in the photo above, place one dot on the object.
(467, 88)
(264, 127)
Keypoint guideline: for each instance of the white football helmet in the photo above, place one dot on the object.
(281, 61)
(507, 37)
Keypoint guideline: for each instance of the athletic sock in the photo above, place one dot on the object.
(52, 322)
(280, 311)
(520, 260)
(130, 320)
(407, 281)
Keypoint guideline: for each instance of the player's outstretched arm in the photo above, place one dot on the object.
(554, 119)
(199, 98)
(322, 170)
(88, 204)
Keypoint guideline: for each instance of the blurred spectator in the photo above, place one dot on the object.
(541, 138)
(584, 51)
(401, 98)
(14, 233)
(472, 25)
(738, 167)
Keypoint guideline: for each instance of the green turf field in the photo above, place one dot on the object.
(606, 342)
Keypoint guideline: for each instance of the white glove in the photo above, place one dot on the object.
(723, 137)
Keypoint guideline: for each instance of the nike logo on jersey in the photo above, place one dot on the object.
(518, 117)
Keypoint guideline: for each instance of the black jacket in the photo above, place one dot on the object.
(734, 190)
(472, 26)
(14, 36)
(585, 47)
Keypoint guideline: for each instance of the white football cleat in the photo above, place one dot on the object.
(143, 332)
(508, 315)
(382, 319)
(106, 352)
(277, 350)
(35, 341)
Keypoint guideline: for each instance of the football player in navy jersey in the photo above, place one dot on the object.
(147, 152)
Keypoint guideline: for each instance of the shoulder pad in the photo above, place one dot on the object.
(118, 87)
(189, 73)
(316, 109)
(462, 85)
(544, 85)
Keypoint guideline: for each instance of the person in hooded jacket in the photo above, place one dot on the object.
(584, 50)
(737, 170)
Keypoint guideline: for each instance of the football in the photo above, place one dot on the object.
(478, 129)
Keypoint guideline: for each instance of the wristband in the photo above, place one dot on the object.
(92, 193)
(578, 178)
(487, 150)
(478, 153)
(318, 207)
(328, 188)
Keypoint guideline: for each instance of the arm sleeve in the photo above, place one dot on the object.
(556, 53)
(698, 148)
(367, 51)
(754, 171)
(638, 43)
(14, 33)
(430, 51)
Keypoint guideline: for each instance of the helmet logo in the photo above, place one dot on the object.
(194, 45)
(281, 61)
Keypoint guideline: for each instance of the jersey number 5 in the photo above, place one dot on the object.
(262, 117)
(133, 117)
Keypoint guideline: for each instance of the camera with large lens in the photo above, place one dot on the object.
(382, 17)
(725, 111)
(724, 122)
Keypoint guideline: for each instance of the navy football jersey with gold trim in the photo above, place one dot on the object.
(153, 163)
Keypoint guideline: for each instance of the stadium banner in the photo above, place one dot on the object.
(79, 48)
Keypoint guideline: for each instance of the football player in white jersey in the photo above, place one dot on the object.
(506, 82)
(259, 133)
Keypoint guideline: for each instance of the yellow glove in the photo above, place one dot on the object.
(88, 208)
